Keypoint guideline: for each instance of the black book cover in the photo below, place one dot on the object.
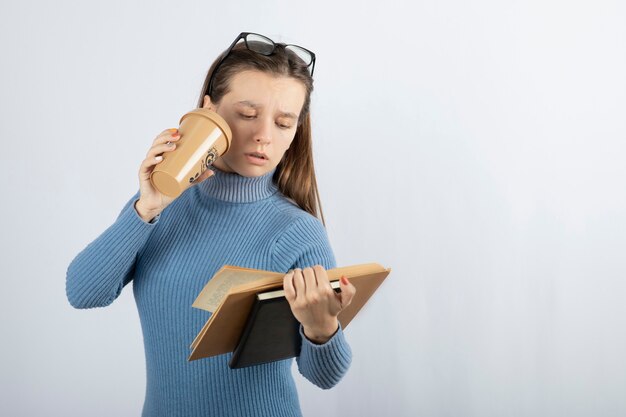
(270, 334)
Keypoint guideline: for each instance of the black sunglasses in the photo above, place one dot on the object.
(264, 46)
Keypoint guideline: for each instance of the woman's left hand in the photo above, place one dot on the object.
(314, 303)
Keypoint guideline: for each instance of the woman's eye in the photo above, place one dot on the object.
(284, 126)
(248, 116)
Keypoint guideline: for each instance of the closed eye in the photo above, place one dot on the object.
(253, 116)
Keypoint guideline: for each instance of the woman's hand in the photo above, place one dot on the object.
(314, 303)
(151, 202)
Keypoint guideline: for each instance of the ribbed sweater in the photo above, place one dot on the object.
(225, 220)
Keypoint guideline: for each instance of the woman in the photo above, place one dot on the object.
(258, 210)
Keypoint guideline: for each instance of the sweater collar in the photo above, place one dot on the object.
(234, 188)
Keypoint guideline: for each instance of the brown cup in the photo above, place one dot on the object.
(204, 137)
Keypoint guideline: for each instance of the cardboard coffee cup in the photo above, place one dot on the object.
(204, 137)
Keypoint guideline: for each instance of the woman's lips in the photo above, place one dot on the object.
(255, 160)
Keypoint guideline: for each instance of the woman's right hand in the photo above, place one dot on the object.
(151, 202)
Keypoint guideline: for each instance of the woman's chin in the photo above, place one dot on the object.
(252, 171)
(245, 169)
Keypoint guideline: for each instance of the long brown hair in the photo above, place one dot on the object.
(295, 174)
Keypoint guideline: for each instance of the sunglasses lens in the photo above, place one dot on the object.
(260, 44)
(301, 53)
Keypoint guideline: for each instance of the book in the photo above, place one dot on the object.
(237, 288)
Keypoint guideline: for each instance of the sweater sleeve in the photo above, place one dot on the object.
(97, 275)
(306, 244)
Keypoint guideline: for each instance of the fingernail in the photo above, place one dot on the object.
(159, 158)
(344, 280)
(173, 130)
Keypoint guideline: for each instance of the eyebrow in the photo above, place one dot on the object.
(256, 106)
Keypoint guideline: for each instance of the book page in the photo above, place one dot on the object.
(217, 288)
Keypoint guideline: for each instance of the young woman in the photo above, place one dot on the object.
(257, 208)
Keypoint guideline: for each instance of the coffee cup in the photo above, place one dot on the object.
(204, 137)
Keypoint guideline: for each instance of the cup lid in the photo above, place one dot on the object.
(215, 118)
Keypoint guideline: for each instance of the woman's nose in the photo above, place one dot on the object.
(263, 132)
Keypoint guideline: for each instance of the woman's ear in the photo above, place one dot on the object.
(207, 103)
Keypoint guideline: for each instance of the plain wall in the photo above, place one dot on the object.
(476, 148)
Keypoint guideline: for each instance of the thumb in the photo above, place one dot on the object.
(206, 174)
(347, 291)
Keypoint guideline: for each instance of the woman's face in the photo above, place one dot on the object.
(262, 111)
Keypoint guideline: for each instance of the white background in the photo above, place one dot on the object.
(477, 148)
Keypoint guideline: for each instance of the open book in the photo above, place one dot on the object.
(252, 318)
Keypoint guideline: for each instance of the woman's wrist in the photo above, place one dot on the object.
(146, 215)
(323, 334)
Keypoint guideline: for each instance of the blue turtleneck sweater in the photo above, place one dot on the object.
(225, 220)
